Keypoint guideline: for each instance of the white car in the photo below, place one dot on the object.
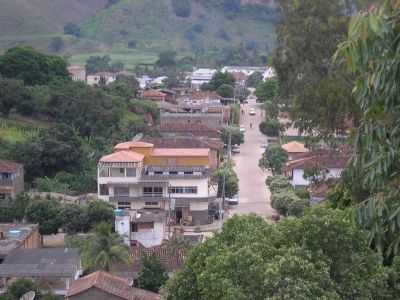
(242, 129)
(252, 112)
(232, 201)
(235, 149)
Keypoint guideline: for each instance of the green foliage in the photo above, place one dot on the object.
(318, 90)
(218, 80)
(104, 249)
(75, 218)
(32, 67)
(297, 207)
(235, 114)
(182, 8)
(72, 29)
(152, 275)
(98, 212)
(254, 80)
(225, 91)
(323, 255)
(278, 182)
(271, 127)
(227, 173)
(166, 59)
(237, 137)
(17, 289)
(11, 93)
(302, 193)
(268, 90)
(96, 64)
(46, 213)
(274, 159)
(282, 201)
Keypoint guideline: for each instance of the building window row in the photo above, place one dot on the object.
(118, 172)
(183, 190)
(153, 191)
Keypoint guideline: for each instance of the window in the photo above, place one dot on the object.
(124, 205)
(146, 225)
(159, 172)
(173, 173)
(104, 190)
(151, 204)
(152, 191)
(183, 190)
(117, 172)
(134, 227)
(188, 172)
(2, 196)
(130, 172)
(121, 191)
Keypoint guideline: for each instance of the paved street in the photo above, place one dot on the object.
(253, 195)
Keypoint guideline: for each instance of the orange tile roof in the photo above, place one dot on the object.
(295, 147)
(181, 152)
(8, 166)
(122, 156)
(110, 284)
(132, 144)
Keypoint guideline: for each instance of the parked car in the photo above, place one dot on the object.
(232, 201)
(235, 149)
(252, 112)
(242, 129)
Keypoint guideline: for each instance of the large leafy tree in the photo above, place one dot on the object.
(32, 66)
(274, 159)
(323, 255)
(152, 275)
(319, 92)
(46, 213)
(104, 249)
(371, 52)
(11, 93)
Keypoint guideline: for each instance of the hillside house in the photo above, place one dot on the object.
(101, 78)
(77, 73)
(294, 149)
(140, 176)
(11, 180)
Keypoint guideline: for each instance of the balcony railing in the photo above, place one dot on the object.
(6, 182)
(137, 198)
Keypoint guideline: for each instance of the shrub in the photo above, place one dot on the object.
(277, 183)
(282, 200)
(271, 127)
(302, 193)
(182, 8)
(297, 207)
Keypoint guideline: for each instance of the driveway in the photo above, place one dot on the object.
(254, 196)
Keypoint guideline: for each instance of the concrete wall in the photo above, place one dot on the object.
(150, 237)
(202, 187)
(298, 179)
(212, 120)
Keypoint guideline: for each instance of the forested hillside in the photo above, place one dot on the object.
(221, 30)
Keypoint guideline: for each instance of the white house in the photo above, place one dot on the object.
(101, 78)
(201, 76)
(330, 164)
(77, 73)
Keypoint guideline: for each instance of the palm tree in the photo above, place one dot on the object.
(104, 249)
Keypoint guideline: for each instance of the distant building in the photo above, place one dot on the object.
(77, 73)
(267, 72)
(101, 78)
(330, 163)
(201, 76)
(144, 81)
(211, 120)
(158, 81)
(11, 180)
(18, 236)
(154, 95)
(104, 286)
(293, 149)
(55, 268)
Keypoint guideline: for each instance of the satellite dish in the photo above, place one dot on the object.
(28, 296)
(137, 137)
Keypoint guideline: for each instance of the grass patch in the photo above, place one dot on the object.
(15, 131)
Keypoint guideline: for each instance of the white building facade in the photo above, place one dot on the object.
(201, 76)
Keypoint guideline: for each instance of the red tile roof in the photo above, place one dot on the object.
(9, 166)
(110, 284)
(122, 157)
(295, 147)
(180, 152)
(321, 159)
(131, 144)
(153, 93)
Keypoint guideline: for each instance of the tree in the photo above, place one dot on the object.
(96, 64)
(323, 255)
(182, 8)
(32, 67)
(20, 205)
(370, 53)
(74, 218)
(318, 90)
(268, 90)
(100, 212)
(104, 249)
(11, 93)
(218, 79)
(231, 185)
(21, 287)
(271, 127)
(166, 59)
(152, 275)
(237, 137)
(254, 79)
(274, 159)
(72, 29)
(225, 91)
(46, 213)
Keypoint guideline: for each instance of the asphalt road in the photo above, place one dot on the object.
(254, 196)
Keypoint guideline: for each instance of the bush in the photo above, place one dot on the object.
(297, 207)
(225, 91)
(282, 200)
(302, 193)
(271, 128)
(182, 8)
(277, 183)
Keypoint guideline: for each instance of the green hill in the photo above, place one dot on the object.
(134, 31)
